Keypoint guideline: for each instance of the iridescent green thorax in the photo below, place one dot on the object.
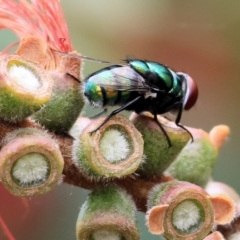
(177, 89)
(168, 79)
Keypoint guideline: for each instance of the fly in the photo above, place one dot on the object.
(140, 86)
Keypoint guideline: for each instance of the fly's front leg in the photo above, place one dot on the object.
(116, 112)
(159, 124)
(178, 118)
(76, 79)
(163, 130)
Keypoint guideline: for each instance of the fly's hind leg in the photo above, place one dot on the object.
(116, 112)
(98, 114)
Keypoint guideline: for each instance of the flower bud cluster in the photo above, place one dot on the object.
(127, 162)
(31, 162)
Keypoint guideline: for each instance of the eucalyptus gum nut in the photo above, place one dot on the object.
(17, 99)
(158, 154)
(155, 219)
(171, 197)
(65, 105)
(217, 188)
(224, 209)
(215, 236)
(33, 48)
(196, 161)
(68, 64)
(78, 126)
(25, 145)
(233, 236)
(89, 156)
(218, 135)
(108, 209)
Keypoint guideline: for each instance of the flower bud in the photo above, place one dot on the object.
(24, 88)
(158, 154)
(109, 213)
(114, 151)
(30, 162)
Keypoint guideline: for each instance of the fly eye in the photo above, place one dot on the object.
(191, 94)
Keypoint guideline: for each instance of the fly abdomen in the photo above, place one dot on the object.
(114, 97)
(94, 93)
(113, 86)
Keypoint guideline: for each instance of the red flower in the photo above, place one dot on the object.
(41, 18)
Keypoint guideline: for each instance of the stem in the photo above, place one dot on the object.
(137, 187)
(6, 231)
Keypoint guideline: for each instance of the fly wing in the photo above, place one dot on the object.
(125, 79)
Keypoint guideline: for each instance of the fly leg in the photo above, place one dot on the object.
(116, 112)
(178, 106)
(98, 114)
(76, 79)
(178, 118)
(163, 130)
(159, 124)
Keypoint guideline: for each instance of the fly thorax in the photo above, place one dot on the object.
(150, 94)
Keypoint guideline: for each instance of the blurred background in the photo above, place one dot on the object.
(201, 38)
